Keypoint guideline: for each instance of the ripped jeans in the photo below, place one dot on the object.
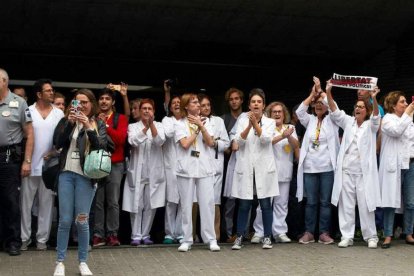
(75, 194)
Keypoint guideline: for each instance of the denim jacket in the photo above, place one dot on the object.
(63, 136)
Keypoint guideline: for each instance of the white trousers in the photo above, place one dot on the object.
(141, 222)
(205, 199)
(351, 194)
(280, 210)
(218, 184)
(30, 186)
(173, 221)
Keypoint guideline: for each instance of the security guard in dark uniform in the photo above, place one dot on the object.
(15, 161)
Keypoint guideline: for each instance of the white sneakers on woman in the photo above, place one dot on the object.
(84, 269)
(59, 269)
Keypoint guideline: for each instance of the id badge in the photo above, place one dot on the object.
(195, 153)
(75, 155)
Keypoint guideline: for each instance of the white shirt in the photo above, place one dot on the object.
(43, 135)
(73, 158)
(352, 159)
(318, 159)
(187, 165)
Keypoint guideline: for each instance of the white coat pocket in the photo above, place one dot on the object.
(391, 164)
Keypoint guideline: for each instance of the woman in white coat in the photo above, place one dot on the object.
(317, 163)
(194, 169)
(356, 176)
(221, 143)
(173, 221)
(284, 143)
(394, 157)
(144, 189)
(256, 171)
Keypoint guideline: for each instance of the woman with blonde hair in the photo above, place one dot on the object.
(194, 169)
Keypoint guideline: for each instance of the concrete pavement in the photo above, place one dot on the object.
(283, 259)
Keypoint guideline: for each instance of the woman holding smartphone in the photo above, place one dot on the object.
(75, 190)
(255, 173)
(194, 170)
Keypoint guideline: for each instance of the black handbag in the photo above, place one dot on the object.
(50, 172)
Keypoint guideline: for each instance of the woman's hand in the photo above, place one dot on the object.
(82, 118)
(124, 89)
(72, 115)
(317, 83)
(328, 87)
(374, 93)
(287, 132)
(196, 120)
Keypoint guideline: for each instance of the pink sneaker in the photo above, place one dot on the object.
(307, 238)
(325, 238)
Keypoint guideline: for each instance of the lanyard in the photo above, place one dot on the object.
(193, 129)
(317, 133)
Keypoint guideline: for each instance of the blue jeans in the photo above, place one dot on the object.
(407, 177)
(244, 211)
(389, 214)
(75, 193)
(318, 189)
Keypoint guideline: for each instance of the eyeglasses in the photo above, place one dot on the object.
(49, 90)
(84, 102)
(194, 102)
(277, 111)
(319, 103)
(359, 106)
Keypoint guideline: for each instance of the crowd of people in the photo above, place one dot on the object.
(194, 163)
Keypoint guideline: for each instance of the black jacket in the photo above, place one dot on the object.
(63, 136)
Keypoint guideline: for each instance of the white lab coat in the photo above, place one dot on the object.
(330, 130)
(395, 155)
(367, 152)
(132, 191)
(255, 154)
(220, 133)
(170, 159)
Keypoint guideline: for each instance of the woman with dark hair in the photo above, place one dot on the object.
(221, 143)
(285, 142)
(356, 176)
(394, 163)
(194, 170)
(255, 173)
(144, 189)
(75, 190)
(173, 213)
(317, 163)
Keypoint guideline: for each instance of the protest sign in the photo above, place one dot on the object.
(354, 82)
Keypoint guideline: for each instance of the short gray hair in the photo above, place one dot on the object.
(4, 74)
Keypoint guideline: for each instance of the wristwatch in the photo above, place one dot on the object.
(28, 161)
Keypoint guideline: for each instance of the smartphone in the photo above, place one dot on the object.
(116, 87)
(76, 106)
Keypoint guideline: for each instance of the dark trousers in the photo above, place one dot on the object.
(10, 180)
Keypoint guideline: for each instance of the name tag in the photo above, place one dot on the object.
(75, 155)
(195, 153)
(14, 104)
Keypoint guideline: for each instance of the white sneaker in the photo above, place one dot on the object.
(214, 246)
(267, 243)
(184, 247)
(59, 269)
(282, 238)
(238, 243)
(372, 243)
(84, 269)
(345, 243)
(256, 239)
